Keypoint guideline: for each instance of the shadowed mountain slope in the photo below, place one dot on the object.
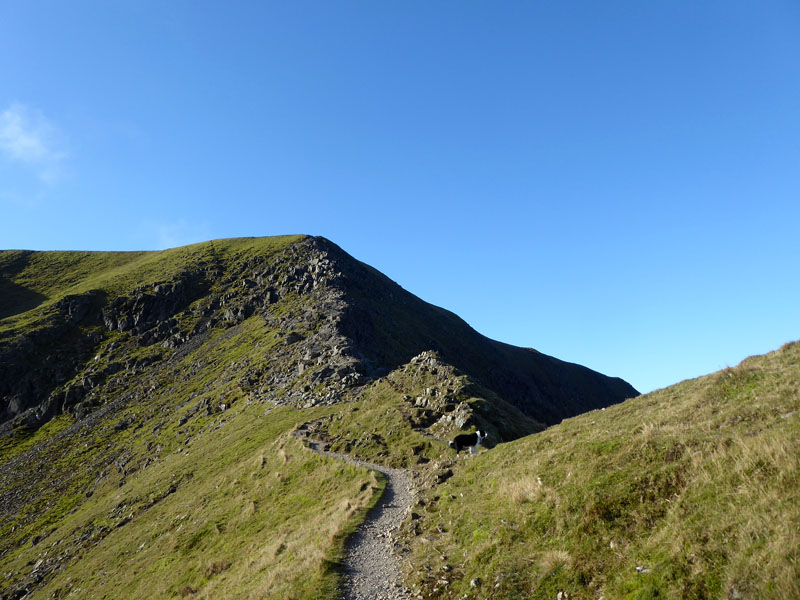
(389, 326)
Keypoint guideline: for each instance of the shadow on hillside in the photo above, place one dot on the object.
(16, 299)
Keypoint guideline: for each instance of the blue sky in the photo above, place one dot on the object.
(613, 183)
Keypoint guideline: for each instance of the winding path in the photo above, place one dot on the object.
(371, 568)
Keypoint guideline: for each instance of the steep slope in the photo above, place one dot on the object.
(688, 492)
(343, 320)
(388, 326)
(149, 401)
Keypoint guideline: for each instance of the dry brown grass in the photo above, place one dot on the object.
(552, 560)
(523, 490)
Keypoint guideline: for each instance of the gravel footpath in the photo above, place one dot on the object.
(371, 569)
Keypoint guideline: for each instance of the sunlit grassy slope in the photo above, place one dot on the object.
(161, 500)
(242, 512)
(688, 492)
(34, 280)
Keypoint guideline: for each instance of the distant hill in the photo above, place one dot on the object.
(148, 401)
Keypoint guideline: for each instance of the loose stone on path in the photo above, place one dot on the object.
(371, 569)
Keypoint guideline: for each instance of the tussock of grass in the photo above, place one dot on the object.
(550, 561)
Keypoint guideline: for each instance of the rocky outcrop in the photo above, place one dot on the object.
(149, 311)
(36, 362)
(383, 327)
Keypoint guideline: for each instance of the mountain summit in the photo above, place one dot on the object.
(75, 323)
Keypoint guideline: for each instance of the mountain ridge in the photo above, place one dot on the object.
(361, 324)
(132, 383)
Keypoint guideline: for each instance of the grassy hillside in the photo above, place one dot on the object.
(243, 511)
(53, 309)
(170, 496)
(688, 492)
(174, 480)
(32, 281)
(173, 470)
(148, 448)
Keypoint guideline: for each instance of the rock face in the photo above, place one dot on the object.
(152, 306)
(387, 326)
(337, 324)
(37, 360)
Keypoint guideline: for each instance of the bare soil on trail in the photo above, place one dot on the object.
(372, 571)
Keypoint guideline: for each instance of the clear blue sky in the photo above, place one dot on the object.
(613, 183)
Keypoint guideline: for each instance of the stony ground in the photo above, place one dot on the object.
(372, 570)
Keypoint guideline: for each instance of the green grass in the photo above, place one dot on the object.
(165, 496)
(222, 505)
(697, 484)
(25, 438)
(254, 515)
(33, 281)
(161, 497)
